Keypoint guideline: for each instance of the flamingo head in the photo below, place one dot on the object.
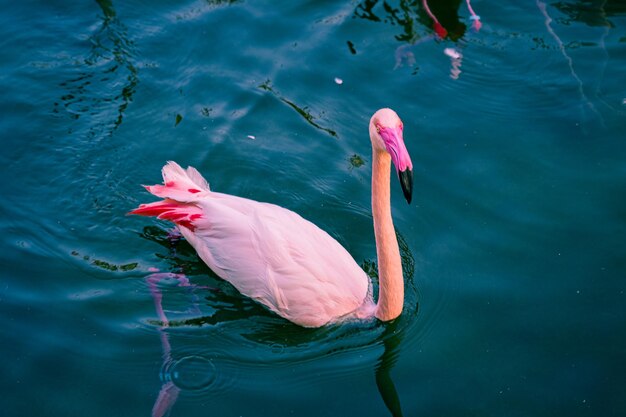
(386, 135)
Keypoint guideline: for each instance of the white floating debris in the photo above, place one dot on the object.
(624, 102)
(338, 81)
(251, 137)
(452, 53)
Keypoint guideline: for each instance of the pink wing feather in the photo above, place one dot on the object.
(180, 190)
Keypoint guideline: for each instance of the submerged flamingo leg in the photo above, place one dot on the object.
(439, 29)
(169, 392)
(476, 25)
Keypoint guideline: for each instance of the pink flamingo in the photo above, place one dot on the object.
(474, 17)
(439, 29)
(283, 261)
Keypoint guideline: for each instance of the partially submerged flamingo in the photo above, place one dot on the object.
(283, 261)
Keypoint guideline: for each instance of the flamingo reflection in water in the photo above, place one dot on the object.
(442, 16)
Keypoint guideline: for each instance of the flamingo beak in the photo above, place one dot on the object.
(406, 182)
(394, 143)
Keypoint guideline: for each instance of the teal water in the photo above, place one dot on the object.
(513, 247)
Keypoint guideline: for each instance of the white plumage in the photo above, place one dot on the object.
(283, 261)
(267, 252)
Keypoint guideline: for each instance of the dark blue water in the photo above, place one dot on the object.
(513, 249)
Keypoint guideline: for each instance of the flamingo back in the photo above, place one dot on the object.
(267, 252)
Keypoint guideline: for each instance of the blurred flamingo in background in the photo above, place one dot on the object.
(474, 17)
(446, 26)
(440, 30)
(283, 261)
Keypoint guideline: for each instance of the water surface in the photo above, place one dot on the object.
(513, 247)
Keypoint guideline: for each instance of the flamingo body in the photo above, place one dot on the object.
(278, 258)
(267, 252)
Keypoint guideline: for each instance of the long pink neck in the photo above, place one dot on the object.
(391, 282)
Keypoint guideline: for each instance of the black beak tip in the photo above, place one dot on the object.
(406, 182)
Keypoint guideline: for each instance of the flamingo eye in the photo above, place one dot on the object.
(377, 128)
